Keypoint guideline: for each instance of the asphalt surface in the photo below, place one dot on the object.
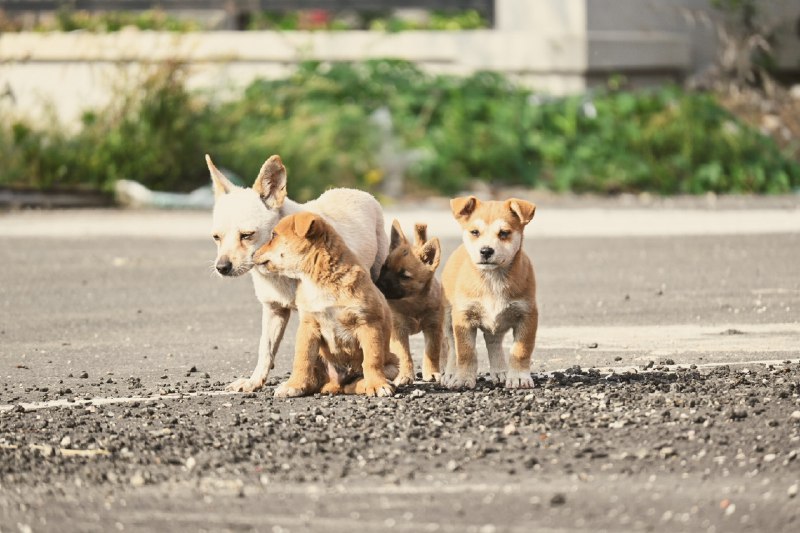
(667, 399)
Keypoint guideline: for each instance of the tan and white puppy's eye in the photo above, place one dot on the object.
(475, 233)
(246, 235)
(504, 234)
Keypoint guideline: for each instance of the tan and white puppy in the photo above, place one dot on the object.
(415, 297)
(489, 284)
(345, 322)
(243, 221)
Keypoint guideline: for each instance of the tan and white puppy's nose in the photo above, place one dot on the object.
(486, 253)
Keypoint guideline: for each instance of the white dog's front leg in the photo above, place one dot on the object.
(273, 324)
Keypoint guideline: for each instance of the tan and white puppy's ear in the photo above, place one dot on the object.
(307, 225)
(221, 184)
(420, 234)
(270, 183)
(431, 253)
(522, 209)
(463, 207)
(396, 235)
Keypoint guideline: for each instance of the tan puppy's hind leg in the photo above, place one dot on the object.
(399, 345)
(435, 348)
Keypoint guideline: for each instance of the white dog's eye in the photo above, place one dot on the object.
(475, 233)
(274, 234)
(246, 236)
(215, 237)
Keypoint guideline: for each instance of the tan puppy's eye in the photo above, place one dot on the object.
(503, 234)
(246, 235)
(475, 233)
(404, 274)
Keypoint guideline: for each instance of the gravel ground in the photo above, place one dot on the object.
(650, 447)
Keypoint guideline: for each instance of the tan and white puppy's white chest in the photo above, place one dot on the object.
(495, 314)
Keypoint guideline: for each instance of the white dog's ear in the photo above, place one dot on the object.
(522, 209)
(396, 236)
(463, 207)
(431, 254)
(307, 225)
(271, 182)
(222, 185)
(420, 234)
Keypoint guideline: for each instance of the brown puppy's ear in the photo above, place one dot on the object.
(522, 209)
(420, 234)
(222, 185)
(270, 183)
(307, 225)
(396, 237)
(431, 253)
(463, 207)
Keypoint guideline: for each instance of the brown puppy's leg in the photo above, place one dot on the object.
(399, 345)
(375, 345)
(432, 361)
(519, 372)
(305, 369)
(465, 374)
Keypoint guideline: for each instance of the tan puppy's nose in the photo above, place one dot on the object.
(486, 252)
(224, 265)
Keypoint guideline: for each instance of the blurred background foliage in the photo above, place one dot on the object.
(482, 127)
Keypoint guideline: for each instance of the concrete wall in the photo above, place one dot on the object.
(557, 46)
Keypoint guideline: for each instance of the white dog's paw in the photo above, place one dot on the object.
(432, 376)
(245, 385)
(498, 376)
(285, 390)
(516, 379)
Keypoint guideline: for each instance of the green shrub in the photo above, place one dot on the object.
(479, 127)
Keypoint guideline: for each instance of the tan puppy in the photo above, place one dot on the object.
(415, 298)
(344, 319)
(489, 285)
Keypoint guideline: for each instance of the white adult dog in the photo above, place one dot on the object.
(244, 219)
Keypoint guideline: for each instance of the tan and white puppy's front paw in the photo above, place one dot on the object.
(516, 379)
(287, 390)
(435, 377)
(460, 380)
(403, 379)
(245, 385)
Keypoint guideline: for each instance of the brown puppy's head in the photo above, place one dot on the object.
(408, 269)
(291, 241)
(492, 230)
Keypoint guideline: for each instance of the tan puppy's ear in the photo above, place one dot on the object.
(420, 234)
(270, 183)
(396, 237)
(522, 209)
(463, 207)
(431, 253)
(222, 185)
(307, 225)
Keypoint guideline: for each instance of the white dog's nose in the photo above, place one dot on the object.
(224, 266)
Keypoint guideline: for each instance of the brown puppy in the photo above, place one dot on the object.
(489, 285)
(345, 322)
(415, 297)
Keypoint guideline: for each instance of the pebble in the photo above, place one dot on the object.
(138, 480)
(510, 429)
(84, 375)
(66, 441)
(558, 499)
(795, 415)
(792, 491)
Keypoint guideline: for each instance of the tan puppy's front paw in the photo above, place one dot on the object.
(432, 376)
(245, 385)
(460, 381)
(287, 389)
(376, 388)
(498, 376)
(403, 379)
(516, 379)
